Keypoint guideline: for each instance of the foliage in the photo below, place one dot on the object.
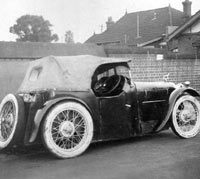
(32, 28)
(69, 37)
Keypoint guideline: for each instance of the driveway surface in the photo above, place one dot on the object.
(159, 156)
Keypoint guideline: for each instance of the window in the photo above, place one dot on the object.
(123, 70)
(109, 79)
(35, 73)
(106, 73)
(112, 69)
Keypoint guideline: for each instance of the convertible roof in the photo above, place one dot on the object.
(73, 73)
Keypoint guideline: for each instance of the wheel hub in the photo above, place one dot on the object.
(9, 119)
(185, 116)
(67, 129)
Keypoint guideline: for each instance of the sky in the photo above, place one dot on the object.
(82, 17)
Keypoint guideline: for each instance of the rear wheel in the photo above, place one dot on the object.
(186, 117)
(11, 121)
(67, 130)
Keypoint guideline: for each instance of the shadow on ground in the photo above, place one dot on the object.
(39, 151)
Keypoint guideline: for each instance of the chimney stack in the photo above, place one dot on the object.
(187, 9)
(109, 23)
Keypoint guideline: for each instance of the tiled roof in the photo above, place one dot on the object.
(152, 24)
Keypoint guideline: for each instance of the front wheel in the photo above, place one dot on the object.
(186, 117)
(67, 130)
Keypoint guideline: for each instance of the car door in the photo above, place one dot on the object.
(115, 117)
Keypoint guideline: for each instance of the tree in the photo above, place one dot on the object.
(32, 28)
(69, 37)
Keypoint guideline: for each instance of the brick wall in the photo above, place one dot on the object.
(147, 68)
(144, 68)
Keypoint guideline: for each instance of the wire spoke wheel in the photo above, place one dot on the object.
(7, 117)
(11, 120)
(186, 117)
(68, 130)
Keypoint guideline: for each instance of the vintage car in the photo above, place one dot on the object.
(67, 103)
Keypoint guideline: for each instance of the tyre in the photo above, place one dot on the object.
(12, 121)
(67, 130)
(186, 117)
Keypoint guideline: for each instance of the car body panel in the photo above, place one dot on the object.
(84, 98)
(180, 90)
(113, 110)
(153, 96)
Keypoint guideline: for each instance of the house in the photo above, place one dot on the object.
(143, 28)
(185, 39)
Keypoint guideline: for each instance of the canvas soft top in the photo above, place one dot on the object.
(73, 73)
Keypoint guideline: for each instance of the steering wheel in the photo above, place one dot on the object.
(98, 87)
(107, 85)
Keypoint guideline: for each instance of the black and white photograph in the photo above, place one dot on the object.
(100, 89)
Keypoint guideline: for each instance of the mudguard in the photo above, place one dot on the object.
(172, 100)
(42, 112)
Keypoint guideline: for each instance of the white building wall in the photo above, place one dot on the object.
(194, 28)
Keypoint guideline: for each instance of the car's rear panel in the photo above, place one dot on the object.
(42, 97)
